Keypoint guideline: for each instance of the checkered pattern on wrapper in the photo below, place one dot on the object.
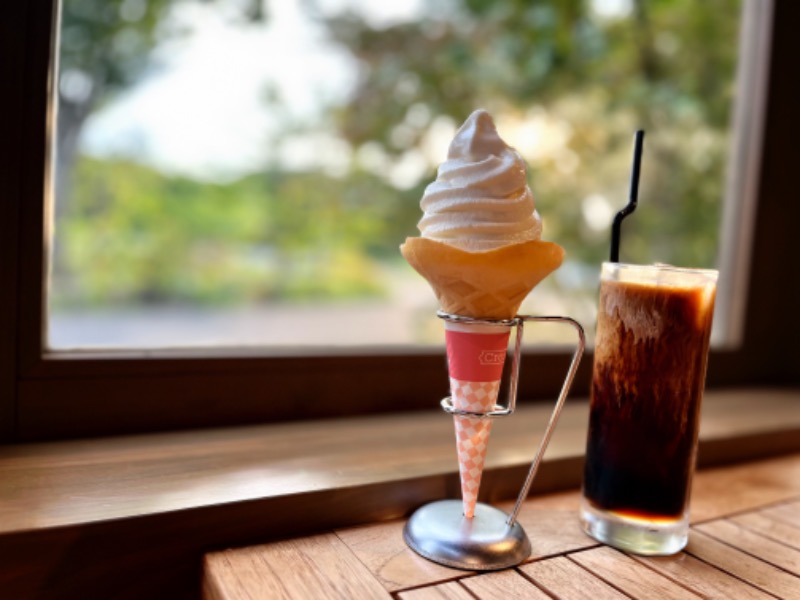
(472, 434)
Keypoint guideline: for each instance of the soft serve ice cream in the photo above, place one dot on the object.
(480, 199)
(481, 251)
(480, 246)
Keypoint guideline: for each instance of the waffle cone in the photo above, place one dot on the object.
(490, 284)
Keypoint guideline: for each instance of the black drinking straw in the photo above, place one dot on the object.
(633, 195)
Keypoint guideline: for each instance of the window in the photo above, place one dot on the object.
(208, 194)
(60, 394)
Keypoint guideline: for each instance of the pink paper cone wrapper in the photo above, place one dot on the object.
(475, 360)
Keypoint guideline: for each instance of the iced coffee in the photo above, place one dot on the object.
(651, 351)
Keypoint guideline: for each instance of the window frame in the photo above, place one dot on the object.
(54, 395)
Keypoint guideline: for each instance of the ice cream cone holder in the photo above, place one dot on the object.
(492, 539)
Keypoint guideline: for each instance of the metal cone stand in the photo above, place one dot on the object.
(491, 540)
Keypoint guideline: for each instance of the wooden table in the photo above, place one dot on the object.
(744, 543)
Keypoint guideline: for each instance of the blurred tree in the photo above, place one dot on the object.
(105, 47)
(664, 65)
(139, 236)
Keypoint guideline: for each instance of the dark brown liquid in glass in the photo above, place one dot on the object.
(649, 372)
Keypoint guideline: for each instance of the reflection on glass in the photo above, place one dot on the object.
(243, 171)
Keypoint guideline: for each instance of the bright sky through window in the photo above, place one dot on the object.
(201, 110)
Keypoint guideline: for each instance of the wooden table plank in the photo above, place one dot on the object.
(703, 578)
(748, 568)
(553, 532)
(753, 543)
(383, 551)
(724, 491)
(232, 580)
(503, 585)
(567, 580)
(568, 501)
(630, 576)
(445, 591)
(788, 513)
(319, 566)
(768, 526)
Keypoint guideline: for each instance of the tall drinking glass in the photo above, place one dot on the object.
(651, 351)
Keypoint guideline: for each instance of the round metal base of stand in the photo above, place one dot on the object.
(440, 532)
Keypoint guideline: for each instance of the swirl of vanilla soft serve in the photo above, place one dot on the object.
(480, 199)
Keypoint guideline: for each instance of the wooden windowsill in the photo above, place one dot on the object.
(156, 502)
